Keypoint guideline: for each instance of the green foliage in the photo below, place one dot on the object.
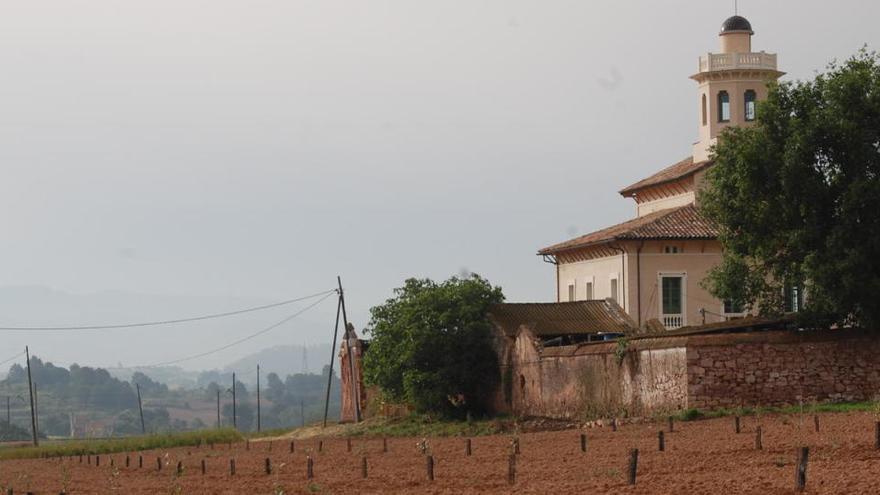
(431, 345)
(620, 350)
(797, 197)
(129, 444)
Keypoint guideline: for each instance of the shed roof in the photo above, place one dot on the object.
(568, 318)
(671, 173)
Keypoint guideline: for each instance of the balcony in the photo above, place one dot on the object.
(737, 61)
(672, 322)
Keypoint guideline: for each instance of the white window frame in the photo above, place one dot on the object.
(742, 314)
(572, 291)
(673, 274)
(612, 295)
(590, 294)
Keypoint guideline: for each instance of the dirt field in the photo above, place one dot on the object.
(701, 457)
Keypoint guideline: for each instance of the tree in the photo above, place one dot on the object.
(431, 345)
(797, 196)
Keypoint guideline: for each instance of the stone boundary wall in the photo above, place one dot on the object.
(782, 368)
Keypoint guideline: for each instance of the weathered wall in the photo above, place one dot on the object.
(782, 368)
(349, 392)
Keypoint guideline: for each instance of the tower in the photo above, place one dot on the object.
(730, 83)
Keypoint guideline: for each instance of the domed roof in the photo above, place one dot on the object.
(737, 23)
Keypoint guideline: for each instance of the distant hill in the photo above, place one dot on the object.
(284, 360)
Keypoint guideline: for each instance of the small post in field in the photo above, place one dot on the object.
(310, 467)
(270, 445)
(633, 466)
(613, 424)
(759, 439)
(816, 422)
(800, 477)
(429, 465)
(89, 459)
(384, 445)
(320, 445)
(247, 444)
(127, 461)
(158, 464)
(204, 467)
(583, 442)
(736, 424)
(140, 461)
(364, 467)
(112, 462)
(671, 424)
(511, 469)
(348, 444)
(268, 466)
(97, 461)
(877, 435)
(292, 448)
(180, 468)
(232, 467)
(661, 441)
(514, 445)
(467, 446)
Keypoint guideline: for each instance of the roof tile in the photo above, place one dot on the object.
(672, 173)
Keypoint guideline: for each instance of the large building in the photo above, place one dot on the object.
(653, 265)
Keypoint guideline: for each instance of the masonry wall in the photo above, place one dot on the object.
(782, 368)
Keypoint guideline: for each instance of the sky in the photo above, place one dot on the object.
(166, 158)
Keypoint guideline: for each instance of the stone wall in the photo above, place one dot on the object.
(782, 368)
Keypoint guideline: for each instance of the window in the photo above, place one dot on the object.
(705, 111)
(672, 299)
(614, 289)
(732, 307)
(571, 292)
(671, 250)
(794, 298)
(589, 291)
(750, 97)
(672, 296)
(723, 107)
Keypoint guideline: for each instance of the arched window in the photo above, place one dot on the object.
(723, 107)
(705, 121)
(750, 97)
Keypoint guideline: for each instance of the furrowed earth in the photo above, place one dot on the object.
(701, 457)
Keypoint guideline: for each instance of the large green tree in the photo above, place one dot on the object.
(431, 345)
(797, 198)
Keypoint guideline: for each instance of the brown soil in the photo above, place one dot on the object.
(701, 457)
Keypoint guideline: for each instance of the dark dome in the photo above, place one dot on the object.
(736, 23)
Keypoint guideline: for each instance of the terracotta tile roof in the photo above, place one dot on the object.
(684, 222)
(569, 318)
(674, 172)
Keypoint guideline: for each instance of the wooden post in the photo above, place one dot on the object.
(310, 467)
(247, 444)
(31, 393)
(258, 398)
(140, 461)
(80, 458)
(514, 446)
(204, 467)
(234, 419)
(661, 441)
(467, 446)
(384, 445)
(158, 464)
(736, 424)
(583, 442)
(268, 466)
(89, 459)
(127, 461)
(270, 445)
(348, 444)
(511, 469)
(671, 424)
(800, 479)
(816, 422)
(613, 424)
(292, 448)
(112, 462)
(232, 467)
(364, 467)
(429, 464)
(141, 409)
(180, 468)
(759, 439)
(320, 445)
(877, 435)
(97, 461)
(218, 408)
(330, 374)
(633, 466)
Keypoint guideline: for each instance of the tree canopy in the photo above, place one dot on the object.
(431, 345)
(797, 198)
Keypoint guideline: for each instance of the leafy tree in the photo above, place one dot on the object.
(148, 385)
(797, 196)
(431, 345)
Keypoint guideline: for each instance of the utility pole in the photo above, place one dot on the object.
(332, 356)
(141, 409)
(258, 398)
(36, 410)
(31, 390)
(352, 375)
(218, 407)
(234, 422)
(8, 412)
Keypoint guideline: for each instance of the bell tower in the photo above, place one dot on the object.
(730, 83)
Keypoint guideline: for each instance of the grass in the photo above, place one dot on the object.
(274, 432)
(127, 444)
(417, 425)
(696, 414)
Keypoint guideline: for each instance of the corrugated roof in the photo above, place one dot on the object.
(684, 222)
(569, 318)
(672, 173)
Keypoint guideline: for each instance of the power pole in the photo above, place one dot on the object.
(332, 356)
(352, 375)
(36, 410)
(31, 391)
(218, 407)
(141, 409)
(258, 398)
(8, 413)
(234, 422)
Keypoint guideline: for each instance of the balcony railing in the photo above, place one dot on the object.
(672, 322)
(731, 61)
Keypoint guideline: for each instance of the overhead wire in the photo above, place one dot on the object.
(165, 322)
(242, 340)
(13, 357)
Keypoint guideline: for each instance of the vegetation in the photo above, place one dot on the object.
(796, 198)
(697, 414)
(431, 345)
(129, 444)
(418, 425)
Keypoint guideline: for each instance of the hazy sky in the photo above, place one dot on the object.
(234, 151)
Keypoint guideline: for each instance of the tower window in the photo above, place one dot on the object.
(750, 97)
(723, 107)
(705, 119)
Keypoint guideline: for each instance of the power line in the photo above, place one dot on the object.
(245, 339)
(10, 359)
(166, 322)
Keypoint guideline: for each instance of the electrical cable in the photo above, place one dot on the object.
(167, 322)
(244, 339)
(13, 357)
